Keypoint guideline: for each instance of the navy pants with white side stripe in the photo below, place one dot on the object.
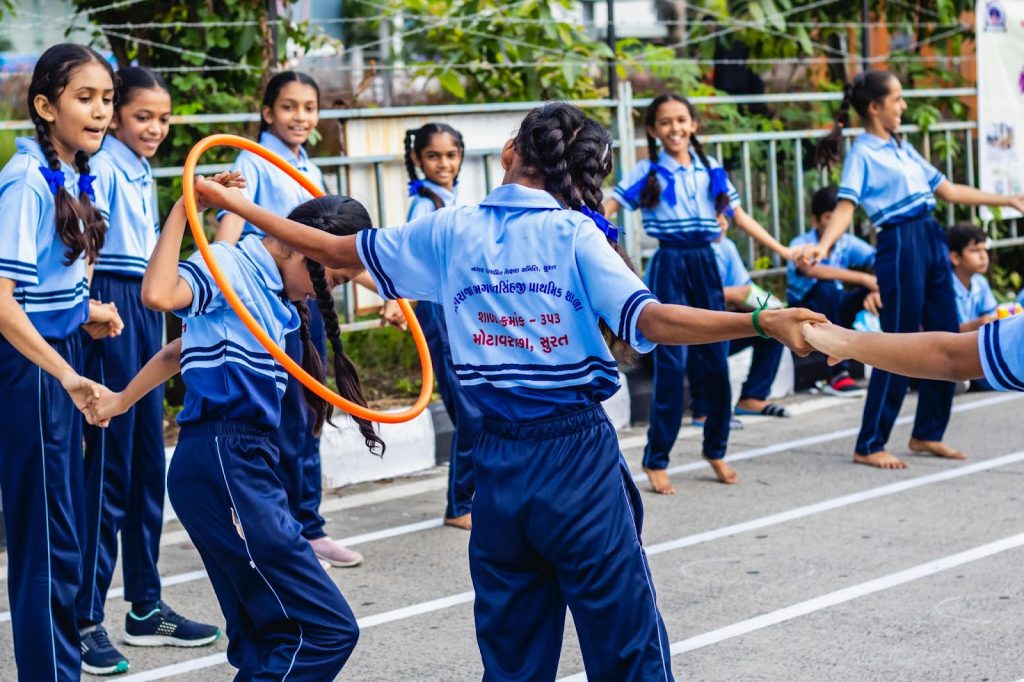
(125, 465)
(916, 283)
(688, 275)
(465, 415)
(284, 616)
(299, 451)
(556, 523)
(41, 482)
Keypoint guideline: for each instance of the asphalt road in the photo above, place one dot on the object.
(812, 568)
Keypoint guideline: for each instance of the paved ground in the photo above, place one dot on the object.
(811, 568)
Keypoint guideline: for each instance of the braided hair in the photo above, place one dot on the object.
(273, 90)
(338, 215)
(572, 154)
(651, 194)
(865, 88)
(418, 139)
(49, 78)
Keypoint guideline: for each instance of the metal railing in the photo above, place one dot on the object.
(768, 168)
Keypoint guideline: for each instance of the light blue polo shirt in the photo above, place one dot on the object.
(228, 375)
(421, 206)
(889, 179)
(270, 188)
(848, 252)
(730, 264)
(974, 302)
(693, 219)
(126, 197)
(1001, 347)
(53, 294)
(523, 283)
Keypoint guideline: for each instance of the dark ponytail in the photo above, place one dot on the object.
(572, 154)
(416, 140)
(273, 90)
(866, 87)
(338, 215)
(49, 78)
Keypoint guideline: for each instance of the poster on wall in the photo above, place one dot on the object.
(1000, 64)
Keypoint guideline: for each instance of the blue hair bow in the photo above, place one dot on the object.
(85, 185)
(610, 229)
(414, 187)
(719, 184)
(632, 194)
(54, 178)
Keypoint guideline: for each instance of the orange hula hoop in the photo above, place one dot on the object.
(293, 368)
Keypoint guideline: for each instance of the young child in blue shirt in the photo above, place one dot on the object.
(897, 188)
(437, 150)
(50, 235)
(124, 463)
(741, 294)
(284, 616)
(968, 254)
(289, 114)
(681, 192)
(527, 280)
(820, 286)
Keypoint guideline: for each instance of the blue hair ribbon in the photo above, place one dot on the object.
(610, 229)
(414, 187)
(719, 184)
(54, 178)
(85, 185)
(632, 194)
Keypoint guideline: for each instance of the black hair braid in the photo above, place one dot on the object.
(548, 150)
(95, 227)
(314, 367)
(410, 166)
(650, 196)
(722, 198)
(66, 210)
(345, 373)
(828, 152)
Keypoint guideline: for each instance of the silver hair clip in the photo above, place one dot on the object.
(607, 148)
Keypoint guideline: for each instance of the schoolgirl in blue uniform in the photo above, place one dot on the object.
(124, 463)
(897, 188)
(50, 230)
(437, 149)
(290, 112)
(285, 618)
(681, 192)
(527, 286)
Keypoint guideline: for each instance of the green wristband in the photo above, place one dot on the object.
(757, 323)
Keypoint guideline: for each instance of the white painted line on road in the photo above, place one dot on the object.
(177, 668)
(690, 540)
(839, 597)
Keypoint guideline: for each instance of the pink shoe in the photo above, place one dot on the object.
(334, 554)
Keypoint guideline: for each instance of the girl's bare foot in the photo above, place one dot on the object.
(659, 481)
(465, 522)
(881, 459)
(935, 447)
(725, 473)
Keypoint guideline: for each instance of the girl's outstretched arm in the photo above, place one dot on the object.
(927, 355)
(965, 194)
(683, 325)
(161, 367)
(329, 250)
(746, 222)
(838, 223)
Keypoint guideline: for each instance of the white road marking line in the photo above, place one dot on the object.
(841, 596)
(688, 541)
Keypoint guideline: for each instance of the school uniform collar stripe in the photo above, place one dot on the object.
(128, 162)
(998, 363)
(514, 195)
(368, 238)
